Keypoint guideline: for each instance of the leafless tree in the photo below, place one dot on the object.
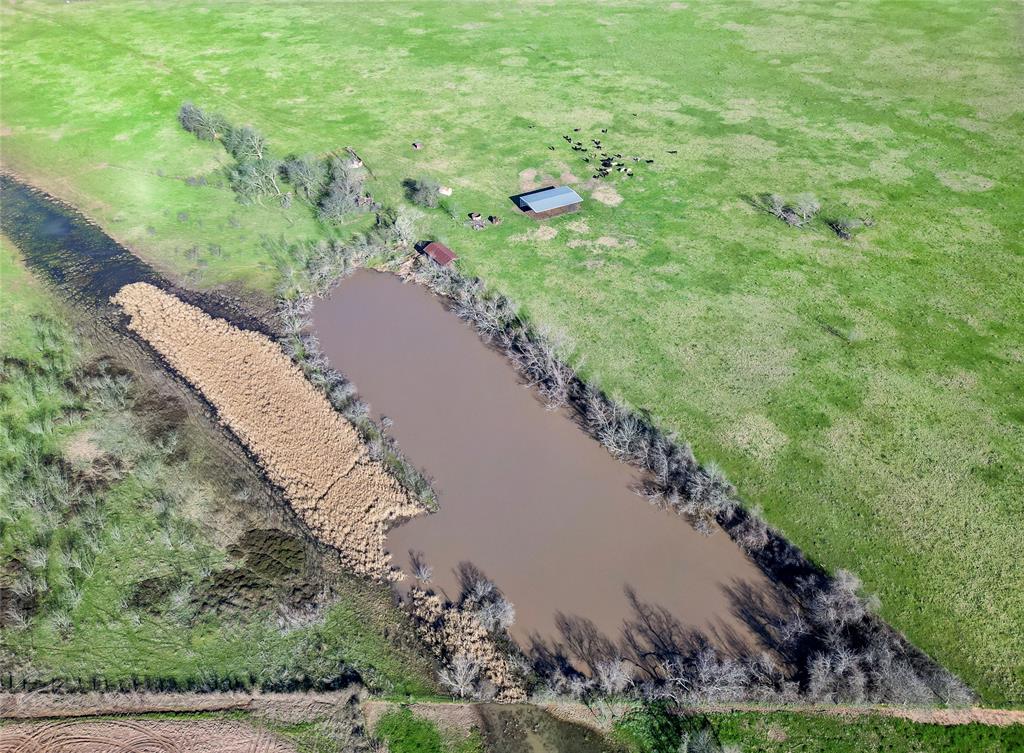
(308, 174)
(254, 179)
(613, 676)
(423, 191)
(751, 534)
(344, 193)
(497, 615)
(461, 676)
(245, 144)
(421, 571)
(203, 125)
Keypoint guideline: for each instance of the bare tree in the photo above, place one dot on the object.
(423, 191)
(421, 571)
(255, 179)
(461, 676)
(203, 125)
(497, 615)
(405, 225)
(308, 174)
(245, 144)
(613, 676)
(344, 193)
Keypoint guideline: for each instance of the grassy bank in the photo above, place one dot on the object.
(861, 391)
(778, 732)
(135, 551)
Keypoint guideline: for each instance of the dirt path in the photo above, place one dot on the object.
(292, 707)
(282, 707)
(580, 714)
(139, 736)
(307, 449)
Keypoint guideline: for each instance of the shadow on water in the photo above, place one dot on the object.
(86, 264)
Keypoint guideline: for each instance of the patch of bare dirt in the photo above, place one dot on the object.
(140, 736)
(307, 449)
(542, 233)
(965, 182)
(528, 180)
(607, 195)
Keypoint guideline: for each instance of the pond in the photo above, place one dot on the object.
(525, 496)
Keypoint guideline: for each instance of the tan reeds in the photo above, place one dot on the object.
(307, 449)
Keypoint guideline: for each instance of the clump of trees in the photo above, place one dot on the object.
(334, 187)
(796, 213)
(802, 210)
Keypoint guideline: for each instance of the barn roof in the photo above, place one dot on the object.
(551, 198)
(440, 253)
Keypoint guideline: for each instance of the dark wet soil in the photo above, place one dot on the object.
(508, 728)
(541, 508)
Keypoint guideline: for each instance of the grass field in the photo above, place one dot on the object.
(866, 393)
(123, 559)
(780, 732)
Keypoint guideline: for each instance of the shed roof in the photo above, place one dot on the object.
(440, 253)
(551, 198)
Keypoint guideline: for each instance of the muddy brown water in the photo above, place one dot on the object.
(525, 495)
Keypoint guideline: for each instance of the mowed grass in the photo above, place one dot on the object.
(865, 393)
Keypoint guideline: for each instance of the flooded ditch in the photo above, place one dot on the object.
(525, 496)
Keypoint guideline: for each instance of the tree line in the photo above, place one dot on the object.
(334, 186)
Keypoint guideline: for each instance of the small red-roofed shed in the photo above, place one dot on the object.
(440, 253)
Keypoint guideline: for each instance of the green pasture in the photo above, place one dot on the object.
(866, 393)
(652, 731)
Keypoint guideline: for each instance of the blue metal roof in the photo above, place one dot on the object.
(552, 198)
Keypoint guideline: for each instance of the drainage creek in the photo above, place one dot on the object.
(525, 496)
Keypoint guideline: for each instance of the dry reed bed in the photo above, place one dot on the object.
(313, 454)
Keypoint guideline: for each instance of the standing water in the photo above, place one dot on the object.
(525, 496)
(81, 259)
